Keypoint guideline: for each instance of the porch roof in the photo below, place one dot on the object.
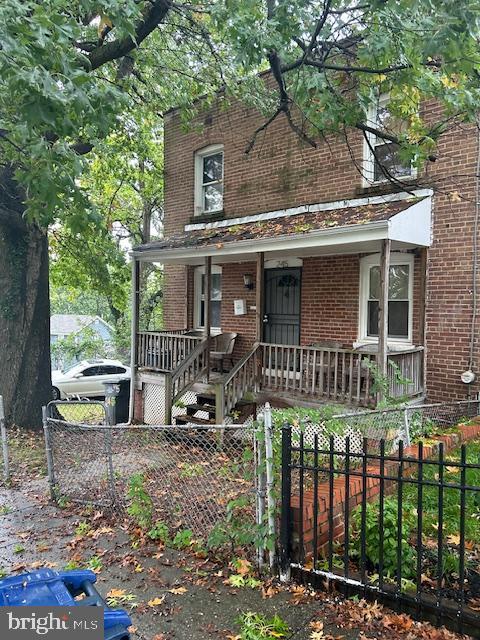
(352, 226)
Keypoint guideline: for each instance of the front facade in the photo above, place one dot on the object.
(298, 242)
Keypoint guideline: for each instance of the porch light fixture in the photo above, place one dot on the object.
(248, 281)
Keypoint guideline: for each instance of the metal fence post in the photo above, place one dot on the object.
(270, 483)
(259, 485)
(407, 427)
(49, 454)
(3, 428)
(286, 512)
(111, 392)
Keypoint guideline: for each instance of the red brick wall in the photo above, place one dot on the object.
(282, 172)
(329, 301)
(330, 287)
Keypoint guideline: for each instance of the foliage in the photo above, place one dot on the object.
(84, 345)
(421, 426)
(63, 92)
(140, 507)
(451, 497)
(237, 529)
(390, 536)
(302, 416)
(159, 531)
(381, 383)
(182, 539)
(256, 626)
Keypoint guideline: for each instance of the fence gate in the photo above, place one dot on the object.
(201, 479)
(396, 524)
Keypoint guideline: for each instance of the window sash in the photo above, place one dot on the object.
(374, 170)
(400, 299)
(209, 194)
(215, 298)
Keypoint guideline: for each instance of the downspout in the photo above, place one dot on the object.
(471, 361)
(133, 337)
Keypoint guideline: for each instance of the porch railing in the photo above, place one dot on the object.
(338, 375)
(184, 376)
(335, 375)
(243, 378)
(164, 350)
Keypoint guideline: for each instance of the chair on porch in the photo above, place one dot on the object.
(223, 346)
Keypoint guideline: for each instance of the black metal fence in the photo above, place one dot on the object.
(402, 527)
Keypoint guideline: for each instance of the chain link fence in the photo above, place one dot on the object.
(393, 425)
(183, 477)
(88, 412)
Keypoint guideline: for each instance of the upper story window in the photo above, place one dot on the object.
(209, 180)
(400, 298)
(382, 157)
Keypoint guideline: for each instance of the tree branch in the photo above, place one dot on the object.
(119, 48)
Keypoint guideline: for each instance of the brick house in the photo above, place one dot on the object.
(289, 247)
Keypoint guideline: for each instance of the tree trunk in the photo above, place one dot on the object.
(25, 373)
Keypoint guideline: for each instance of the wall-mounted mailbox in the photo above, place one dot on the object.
(239, 307)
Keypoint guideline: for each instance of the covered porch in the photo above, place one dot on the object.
(273, 280)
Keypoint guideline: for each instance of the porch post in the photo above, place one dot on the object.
(382, 362)
(134, 331)
(259, 284)
(208, 305)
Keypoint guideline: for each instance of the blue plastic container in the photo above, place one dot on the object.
(45, 587)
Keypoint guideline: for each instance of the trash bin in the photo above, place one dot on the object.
(123, 401)
(45, 587)
(117, 399)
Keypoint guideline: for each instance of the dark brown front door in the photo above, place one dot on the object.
(282, 306)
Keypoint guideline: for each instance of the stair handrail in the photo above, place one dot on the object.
(224, 402)
(172, 394)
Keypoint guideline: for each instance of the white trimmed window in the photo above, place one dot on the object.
(382, 157)
(400, 298)
(209, 180)
(215, 297)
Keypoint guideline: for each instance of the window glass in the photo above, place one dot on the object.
(91, 371)
(212, 168)
(398, 301)
(216, 300)
(107, 370)
(211, 197)
(387, 160)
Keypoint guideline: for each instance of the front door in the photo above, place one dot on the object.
(282, 306)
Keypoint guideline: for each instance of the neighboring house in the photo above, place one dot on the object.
(64, 325)
(297, 242)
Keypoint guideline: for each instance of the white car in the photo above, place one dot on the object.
(85, 379)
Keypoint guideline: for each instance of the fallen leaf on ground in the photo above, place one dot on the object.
(154, 602)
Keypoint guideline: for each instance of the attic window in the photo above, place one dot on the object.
(209, 180)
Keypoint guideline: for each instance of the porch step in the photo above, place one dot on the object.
(207, 408)
(186, 419)
(206, 399)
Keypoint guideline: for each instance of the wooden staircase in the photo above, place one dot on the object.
(205, 404)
